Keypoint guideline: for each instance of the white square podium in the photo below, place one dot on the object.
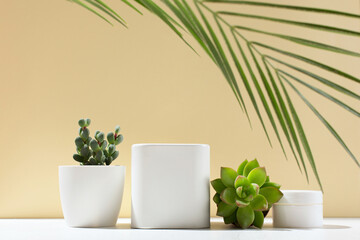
(170, 186)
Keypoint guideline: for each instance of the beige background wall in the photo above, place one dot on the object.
(59, 63)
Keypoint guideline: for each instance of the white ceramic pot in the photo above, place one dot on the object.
(91, 195)
(170, 186)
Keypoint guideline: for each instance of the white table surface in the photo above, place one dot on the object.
(55, 229)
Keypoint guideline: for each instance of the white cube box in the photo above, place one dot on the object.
(170, 186)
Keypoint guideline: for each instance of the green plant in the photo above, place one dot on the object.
(245, 196)
(269, 75)
(96, 151)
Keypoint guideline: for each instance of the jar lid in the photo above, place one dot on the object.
(301, 197)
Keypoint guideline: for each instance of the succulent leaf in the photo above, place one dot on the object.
(79, 142)
(239, 191)
(112, 149)
(115, 155)
(96, 133)
(85, 133)
(94, 145)
(119, 139)
(117, 129)
(243, 195)
(250, 166)
(241, 203)
(241, 167)
(259, 219)
(228, 196)
(111, 138)
(271, 184)
(216, 198)
(249, 197)
(92, 161)
(88, 140)
(225, 210)
(230, 219)
(218, 185)
(257, 175)
(245, 216)
(256, 188)
(103, 145)
(228, 176)
(100, 137)
(99, 156)
(259, 203)
(271, 194)
(78, 158)
(106, 153)
(241, 181)
(85, 151)
(82, 122)
(109, 160)
(267, 179)
(88, 121)
(88, 156)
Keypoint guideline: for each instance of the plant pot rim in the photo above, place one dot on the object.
(91, 166)
(171, 144)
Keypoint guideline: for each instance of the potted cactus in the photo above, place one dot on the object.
(244, 197)
(91, 193)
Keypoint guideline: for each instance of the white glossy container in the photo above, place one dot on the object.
(91, 195)
(170, 186)
(299, 209)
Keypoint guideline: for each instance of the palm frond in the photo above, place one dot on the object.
(264, 76)
(296, 23)
(302, 41)
(284, 6)
(82, 4)
(310, 61)
(322, 119)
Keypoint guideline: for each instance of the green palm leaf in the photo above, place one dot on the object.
(284, 6)
(310, 61)
(211, 31)
(324, 94)
(296, 23)
(305, 42)
(323, 120)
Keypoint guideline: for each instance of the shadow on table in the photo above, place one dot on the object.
(122, 226)
(220, 226)
(328, 226)
(215, 226)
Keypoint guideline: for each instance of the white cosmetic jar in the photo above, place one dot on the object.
(299, 209)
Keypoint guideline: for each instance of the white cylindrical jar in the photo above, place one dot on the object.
(299, 209)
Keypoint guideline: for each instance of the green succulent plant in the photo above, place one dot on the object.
(96, 151)
(245, 196)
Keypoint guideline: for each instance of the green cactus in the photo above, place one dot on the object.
(245, 196)
(96, 151)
